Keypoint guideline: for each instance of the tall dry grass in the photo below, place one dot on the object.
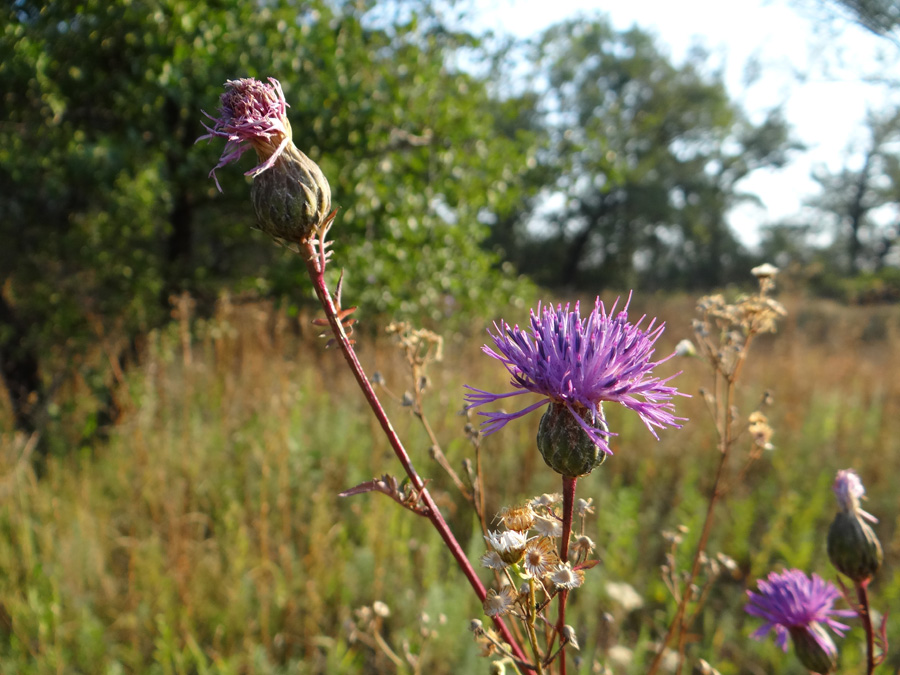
(205, 536)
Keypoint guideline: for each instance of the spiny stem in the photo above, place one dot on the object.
(315, 265)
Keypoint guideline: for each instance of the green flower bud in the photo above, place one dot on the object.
(565, 446)
(853, 548)
(815, 648)
(292, 198)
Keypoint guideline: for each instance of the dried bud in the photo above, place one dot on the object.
(764, 271)
(565, 446)
(517, 518)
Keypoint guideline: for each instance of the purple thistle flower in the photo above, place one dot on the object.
(252, 115)
(792, 603)
(580, 363)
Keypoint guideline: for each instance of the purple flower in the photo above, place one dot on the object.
(252, 114)
(579, 363)
(792, 603)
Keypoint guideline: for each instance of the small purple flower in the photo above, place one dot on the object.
(792, 603)
(252, 115)
(580, 363)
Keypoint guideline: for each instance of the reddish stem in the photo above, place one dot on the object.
(316, 268)
(568, 483)
(862, 594)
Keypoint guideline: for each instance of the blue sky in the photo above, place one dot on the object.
(812, 68)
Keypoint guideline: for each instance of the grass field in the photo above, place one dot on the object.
(206, 534)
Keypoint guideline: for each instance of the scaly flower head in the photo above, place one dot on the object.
(793, 604)
(580, 363)
(291, 195)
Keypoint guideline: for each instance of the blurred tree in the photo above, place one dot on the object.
(650, 158)
(852, 197)
(108, 209)
(882, 17)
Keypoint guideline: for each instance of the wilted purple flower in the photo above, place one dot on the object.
(291, 195)
(794, 604)
(580, 363)
(853, 546)
(848, 489)
(252, 115)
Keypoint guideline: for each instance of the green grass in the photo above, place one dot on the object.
(206, 535)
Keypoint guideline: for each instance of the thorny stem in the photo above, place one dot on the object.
(315, 265)
(568, 490)
(862, 594)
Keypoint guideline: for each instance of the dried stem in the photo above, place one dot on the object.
(532, 616)
(315, 264)
(725, 441)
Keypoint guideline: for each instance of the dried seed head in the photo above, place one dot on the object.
(566, 578)
(582, 547)
(498, 604)
(539, 558)
(517, 518)
(492, 560)
(548, 526)
(508, 545)
(584, 507)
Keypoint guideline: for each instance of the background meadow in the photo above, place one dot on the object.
(206, 535)
(173, 434)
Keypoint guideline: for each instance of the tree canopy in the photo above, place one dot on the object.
(593, 160)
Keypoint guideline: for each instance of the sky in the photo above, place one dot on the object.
(811, 68)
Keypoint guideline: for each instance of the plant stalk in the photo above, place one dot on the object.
(568, 490)
(315, 265)
(862, 594)
(676, 624)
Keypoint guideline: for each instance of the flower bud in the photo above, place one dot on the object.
(815, 648)
(292, 198)
(853, 548)
(564, 444)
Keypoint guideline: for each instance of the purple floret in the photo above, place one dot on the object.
(252, 115)
(792, 600)
(581, 363)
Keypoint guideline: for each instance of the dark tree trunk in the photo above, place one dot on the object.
(18, 369)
